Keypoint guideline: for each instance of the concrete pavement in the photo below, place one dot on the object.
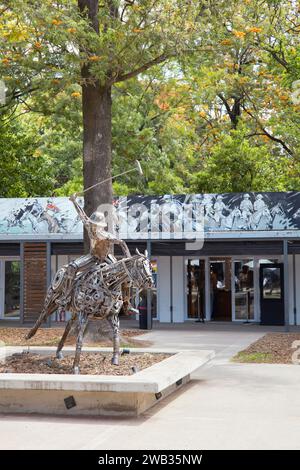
(226, 406)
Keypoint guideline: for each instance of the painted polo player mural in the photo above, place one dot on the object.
(54, 217)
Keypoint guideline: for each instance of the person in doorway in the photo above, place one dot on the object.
(244, 277)
(142, 308)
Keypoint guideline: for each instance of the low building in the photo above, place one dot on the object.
(228, 257)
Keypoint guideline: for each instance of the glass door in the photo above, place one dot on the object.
(271, 294)
(243, 288)
(195, 288)
(220, 289)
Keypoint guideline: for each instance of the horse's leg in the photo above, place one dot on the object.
(115, 323)
(59, 354)
(83, 321)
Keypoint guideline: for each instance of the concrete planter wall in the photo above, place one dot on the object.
(101, 395)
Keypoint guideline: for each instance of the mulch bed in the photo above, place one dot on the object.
(90, 363)
(51, 337)
(273, 348)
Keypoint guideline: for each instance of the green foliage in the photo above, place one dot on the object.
(237, 166)
(23, 173)
(218, 116)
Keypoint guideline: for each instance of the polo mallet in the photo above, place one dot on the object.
(137, 168)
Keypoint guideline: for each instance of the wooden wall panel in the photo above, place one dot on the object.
(35, 279)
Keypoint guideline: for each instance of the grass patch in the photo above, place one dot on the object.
(272, 348)
(257, 357)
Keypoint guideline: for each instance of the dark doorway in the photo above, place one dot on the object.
(271, 294)
(196, 288)
(220, 289)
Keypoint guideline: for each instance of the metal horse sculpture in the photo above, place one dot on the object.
(96, 292)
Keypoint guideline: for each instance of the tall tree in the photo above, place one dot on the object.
(95, 45)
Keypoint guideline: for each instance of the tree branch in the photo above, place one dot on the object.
(158, 60)
(268, 134)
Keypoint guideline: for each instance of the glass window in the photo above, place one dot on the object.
(217, 269)
(12, 289)
(271, 283)
(269, 261)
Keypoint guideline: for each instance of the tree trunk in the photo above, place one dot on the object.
(96, 108)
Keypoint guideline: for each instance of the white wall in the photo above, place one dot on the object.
(164, 289)
(178, 289)
(291, 290)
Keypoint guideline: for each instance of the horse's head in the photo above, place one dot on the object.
(141, 274)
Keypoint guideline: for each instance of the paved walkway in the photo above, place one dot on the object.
(224, 338)
(225, 406)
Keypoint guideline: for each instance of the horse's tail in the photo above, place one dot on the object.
(48, 309)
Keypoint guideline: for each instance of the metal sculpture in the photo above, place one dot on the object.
(91, 286)
(96, 292)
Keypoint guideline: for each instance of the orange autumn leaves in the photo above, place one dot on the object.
(59, 22)
(94, 58)
(254, 30)
(163, 100)
(241, 35)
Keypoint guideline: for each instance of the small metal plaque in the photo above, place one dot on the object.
(70, 402)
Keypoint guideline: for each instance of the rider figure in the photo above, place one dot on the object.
(101, 241)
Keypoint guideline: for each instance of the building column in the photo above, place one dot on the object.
(149, 293)
(22, 282)
(48, 281)
(207, 290)
(286, 285)
(2, 288)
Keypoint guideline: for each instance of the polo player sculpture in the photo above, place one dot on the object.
(91, 286)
